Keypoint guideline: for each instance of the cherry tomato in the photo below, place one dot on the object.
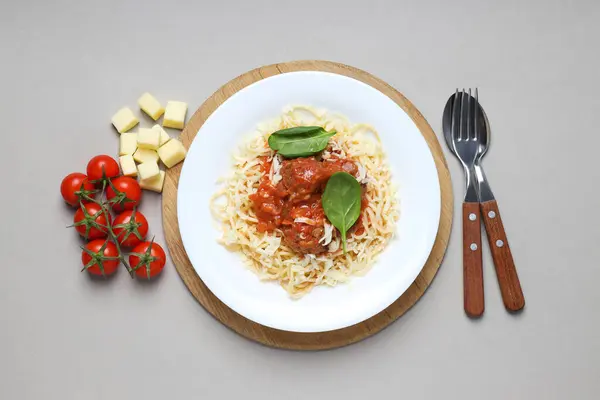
(147, 259)
(101, 168)
(130, 228)
(123, 193)
(100, 257)
(74, 187)
(90, 221)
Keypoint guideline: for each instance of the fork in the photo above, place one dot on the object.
(466, 146)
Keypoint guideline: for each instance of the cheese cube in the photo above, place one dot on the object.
(164, 136)
(155, 184)
(147, 170)
(124, 120)
(127, 143)
(172, 152)
(145, 155)
(148, 138)
(151, 106)
(175, 114)
(128, 165)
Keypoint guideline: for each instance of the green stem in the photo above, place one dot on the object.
(110, 231)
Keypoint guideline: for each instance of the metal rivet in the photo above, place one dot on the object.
(472, 217)
(499, 243)
(473, 246)
(492, 214)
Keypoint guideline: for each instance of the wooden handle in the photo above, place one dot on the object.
(472, 270)
(512, 294)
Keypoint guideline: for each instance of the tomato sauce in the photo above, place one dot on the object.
(304, 236)
(268, 204)
(265, 164)
(298, 195)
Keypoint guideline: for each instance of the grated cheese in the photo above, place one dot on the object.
(274, 173)
(304, 220)
(327, 235)
(361, 175)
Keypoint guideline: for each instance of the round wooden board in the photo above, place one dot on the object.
(294, 340)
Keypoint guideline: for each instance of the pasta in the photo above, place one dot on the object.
(265, 253)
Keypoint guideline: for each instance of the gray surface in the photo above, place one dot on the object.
(67, 66)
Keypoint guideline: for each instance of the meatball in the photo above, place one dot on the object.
(302, 177)
(305, 176)
(303, 238)
(340, 165)
(304, 225)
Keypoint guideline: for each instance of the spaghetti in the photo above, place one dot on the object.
(265, 251)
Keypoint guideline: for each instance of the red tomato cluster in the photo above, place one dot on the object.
(108, 218)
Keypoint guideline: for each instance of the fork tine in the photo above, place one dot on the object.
(463, 118)
(476, 122)
(469, 121)
(455, 116)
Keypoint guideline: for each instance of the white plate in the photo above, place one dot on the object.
(324, 308)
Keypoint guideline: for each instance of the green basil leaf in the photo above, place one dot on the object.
(301, 141)
(298, 130)
(341, 202)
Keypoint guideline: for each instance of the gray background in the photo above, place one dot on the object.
(67, 66)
